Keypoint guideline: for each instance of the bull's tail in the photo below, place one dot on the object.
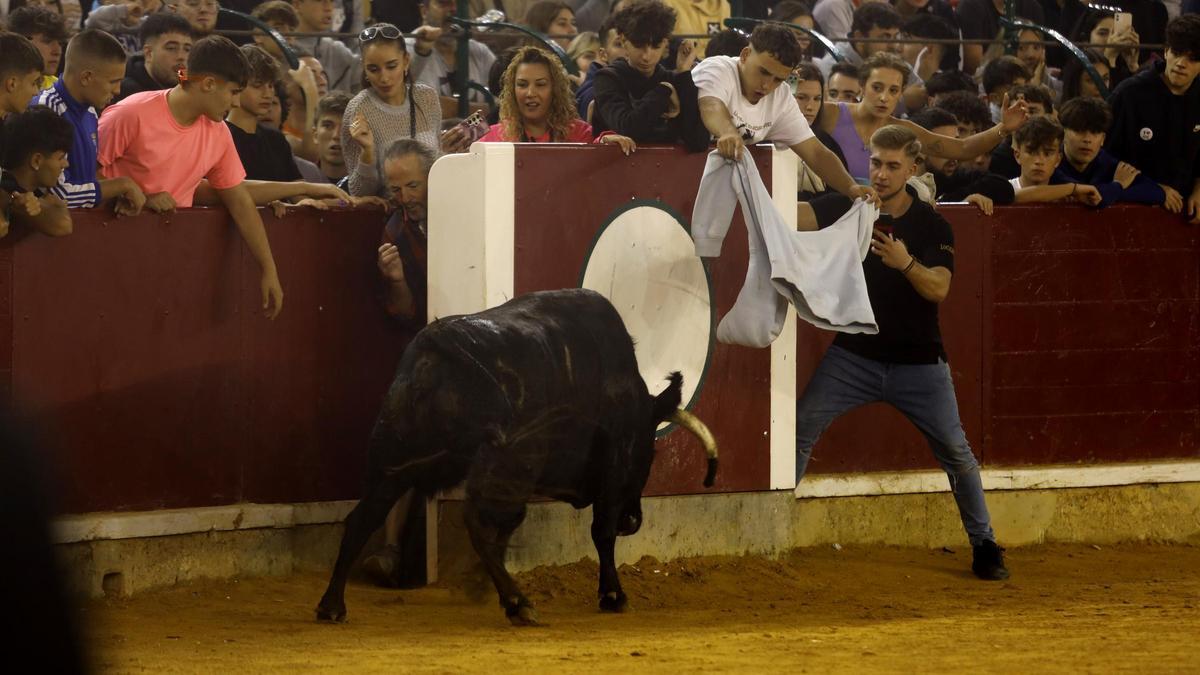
(666, 408)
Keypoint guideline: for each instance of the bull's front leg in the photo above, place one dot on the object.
(604, 536)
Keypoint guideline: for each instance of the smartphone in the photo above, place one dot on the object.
(1122, 23)
(885, 225)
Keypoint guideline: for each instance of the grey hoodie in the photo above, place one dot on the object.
(819, 273)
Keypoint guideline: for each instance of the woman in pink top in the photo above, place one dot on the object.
(536, 105)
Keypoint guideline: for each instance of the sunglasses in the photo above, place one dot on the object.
(385, 32)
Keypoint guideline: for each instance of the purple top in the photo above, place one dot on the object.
(856, 152)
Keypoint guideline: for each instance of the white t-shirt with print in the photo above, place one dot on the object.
(775, 118)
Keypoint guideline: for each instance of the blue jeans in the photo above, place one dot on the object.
(923, 393)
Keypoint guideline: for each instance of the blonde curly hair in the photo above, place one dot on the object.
(562, 102)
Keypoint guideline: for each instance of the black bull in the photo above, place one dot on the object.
(539, 397)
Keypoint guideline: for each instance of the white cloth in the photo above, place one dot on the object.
(775, 118)
(820, 273)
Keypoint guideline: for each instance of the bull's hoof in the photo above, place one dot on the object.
(524, 615)
(613, 602)
(326, 615)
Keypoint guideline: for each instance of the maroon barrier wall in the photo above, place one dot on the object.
(1073, 335)
(137, 347)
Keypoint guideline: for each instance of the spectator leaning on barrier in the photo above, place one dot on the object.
(166, 41)
(1039, 101)
(639, 98)
(391, 107)
(327, 129)
(92, 75)
(1037, 145)
(1085, 122)
(342, 66)
(402, 253)
(46, 30)
(536, 105)
(33, 158)
(1156, 118)
(843, 84)
(200, 14)
(952, 182)
(908, 274)
(145, 136)
(884, 77)
(434, 59)
(20, 76)
(876, 23)
(742, 102)
(264, 152)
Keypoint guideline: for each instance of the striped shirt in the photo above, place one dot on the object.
(78, 185)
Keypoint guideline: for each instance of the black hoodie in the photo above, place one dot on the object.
(137, 79)
(631, 104)
(1155, 130)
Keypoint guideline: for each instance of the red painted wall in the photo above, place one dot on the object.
(136, 347)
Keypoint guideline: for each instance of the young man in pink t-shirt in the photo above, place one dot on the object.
(168, 140)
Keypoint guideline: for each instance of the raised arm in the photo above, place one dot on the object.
(971, 146)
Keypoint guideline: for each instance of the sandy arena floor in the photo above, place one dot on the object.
(860, 609)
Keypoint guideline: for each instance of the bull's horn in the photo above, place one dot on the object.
(693, 424)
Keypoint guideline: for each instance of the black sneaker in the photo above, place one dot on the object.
(989, 562)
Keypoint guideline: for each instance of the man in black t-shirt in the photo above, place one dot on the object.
(980, 20)
(908, 274)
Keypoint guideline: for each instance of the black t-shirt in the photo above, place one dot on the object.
(265, 154)
(908, 323)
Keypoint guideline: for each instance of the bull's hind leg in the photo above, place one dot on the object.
(366, 517)
(490, 525)
(604, 535)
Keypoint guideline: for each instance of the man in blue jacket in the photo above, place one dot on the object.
(1085, 121)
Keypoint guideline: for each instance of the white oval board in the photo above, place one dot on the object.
(644, 262)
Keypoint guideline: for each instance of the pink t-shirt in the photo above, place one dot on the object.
(140, 138)
(580, 132)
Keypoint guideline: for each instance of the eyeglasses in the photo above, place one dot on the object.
(387, 32)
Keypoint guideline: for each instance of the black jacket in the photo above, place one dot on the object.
(632, 105)
(137, 79)
(1155, 130)
(963, 182)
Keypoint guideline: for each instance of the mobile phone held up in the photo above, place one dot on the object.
(1122, 23)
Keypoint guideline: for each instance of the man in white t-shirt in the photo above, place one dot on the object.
(741, 102)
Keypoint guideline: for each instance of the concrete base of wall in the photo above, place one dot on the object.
(762, 523)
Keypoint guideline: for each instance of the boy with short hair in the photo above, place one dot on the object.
(611, 49)
(1085, 121)
(1037, 146)
(1039, 101)
(146, 136)
(95, 66)
(264, 152)
(35, 150)
(21, 68)
(47, 31)
(636, 96)
(166, 40)
(327, 129)
(999, 75)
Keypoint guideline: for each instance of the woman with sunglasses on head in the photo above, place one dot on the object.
(389, 108)
(537, 106)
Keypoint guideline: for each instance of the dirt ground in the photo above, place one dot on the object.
(860, 609)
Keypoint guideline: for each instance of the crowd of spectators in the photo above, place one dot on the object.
(101, 97)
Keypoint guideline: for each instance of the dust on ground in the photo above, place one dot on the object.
(860, 609)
